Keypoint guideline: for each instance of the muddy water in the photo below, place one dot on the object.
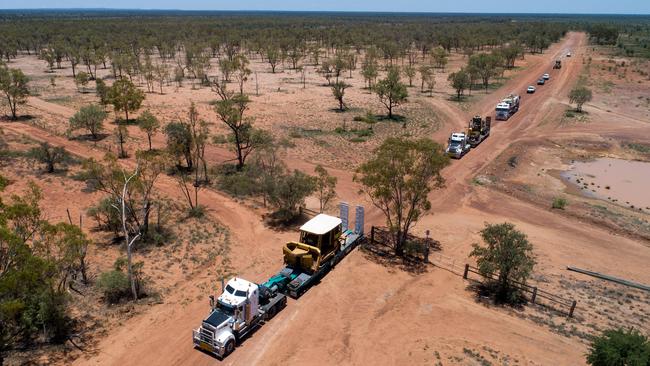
(624, 182)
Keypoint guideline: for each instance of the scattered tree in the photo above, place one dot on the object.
(508, 255)
(149, 124)
(338, 90)
(82, 80)
(580, 95)
(121, 135)
(290, 193)
(409, 71)
(459, 81)
(90, 118)
(230, 109)
(102, 92)
(486, 65)
(325, 186)
(398, 180)
(13, 84)
(440, 57)
(125, 96)
(391, 91)
(49, 155)
(179, 143)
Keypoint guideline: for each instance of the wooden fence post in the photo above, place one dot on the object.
(466, 271)
(532, 298)
(573, 307)
(372, 234)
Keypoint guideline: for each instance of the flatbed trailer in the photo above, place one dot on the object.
(298, 281)
(294, 280)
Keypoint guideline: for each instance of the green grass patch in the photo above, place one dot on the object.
(559, 203)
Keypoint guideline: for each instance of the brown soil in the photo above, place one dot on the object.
(364, 312)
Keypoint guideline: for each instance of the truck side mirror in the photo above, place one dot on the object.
(212, 301)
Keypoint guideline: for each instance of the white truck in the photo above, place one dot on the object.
(507, 107)
(240, 309)
(458, 145)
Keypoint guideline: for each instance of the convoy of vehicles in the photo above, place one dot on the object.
(244, 306)
(324, 240)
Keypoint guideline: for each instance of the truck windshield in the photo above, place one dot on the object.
(226, 309)
(454, 144)
(502, 109)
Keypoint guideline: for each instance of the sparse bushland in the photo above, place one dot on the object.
(40, 261)
(268, 178)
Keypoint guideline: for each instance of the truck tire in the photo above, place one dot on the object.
(272, 311)
(230, 347)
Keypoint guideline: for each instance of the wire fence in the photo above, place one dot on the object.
(427, 251)
(532, 293)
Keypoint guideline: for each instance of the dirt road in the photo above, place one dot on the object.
(365, 312)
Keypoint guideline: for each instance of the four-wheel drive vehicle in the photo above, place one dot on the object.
(546, 76)
(541, 81)
(531, 89)
(568, 54)
(242, 307)
(458, 145)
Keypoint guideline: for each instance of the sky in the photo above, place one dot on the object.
(462, 6)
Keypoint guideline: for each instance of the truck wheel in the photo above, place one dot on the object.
(230, 346)
(272, 312)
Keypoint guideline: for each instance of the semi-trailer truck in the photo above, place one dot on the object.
(507, 107)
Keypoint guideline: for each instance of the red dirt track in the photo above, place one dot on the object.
(366, 313)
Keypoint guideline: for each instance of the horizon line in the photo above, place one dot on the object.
(315, 11)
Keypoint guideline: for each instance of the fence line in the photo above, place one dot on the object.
(534, 291)
(458, 267)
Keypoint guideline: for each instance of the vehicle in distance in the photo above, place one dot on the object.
(530, 90)
(507, 107)
(546, 76)
(541, 81)
(568, 54)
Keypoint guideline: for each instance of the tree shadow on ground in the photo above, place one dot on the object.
(89, 137)
(382, 251)
(27, 117)
(394, 118)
